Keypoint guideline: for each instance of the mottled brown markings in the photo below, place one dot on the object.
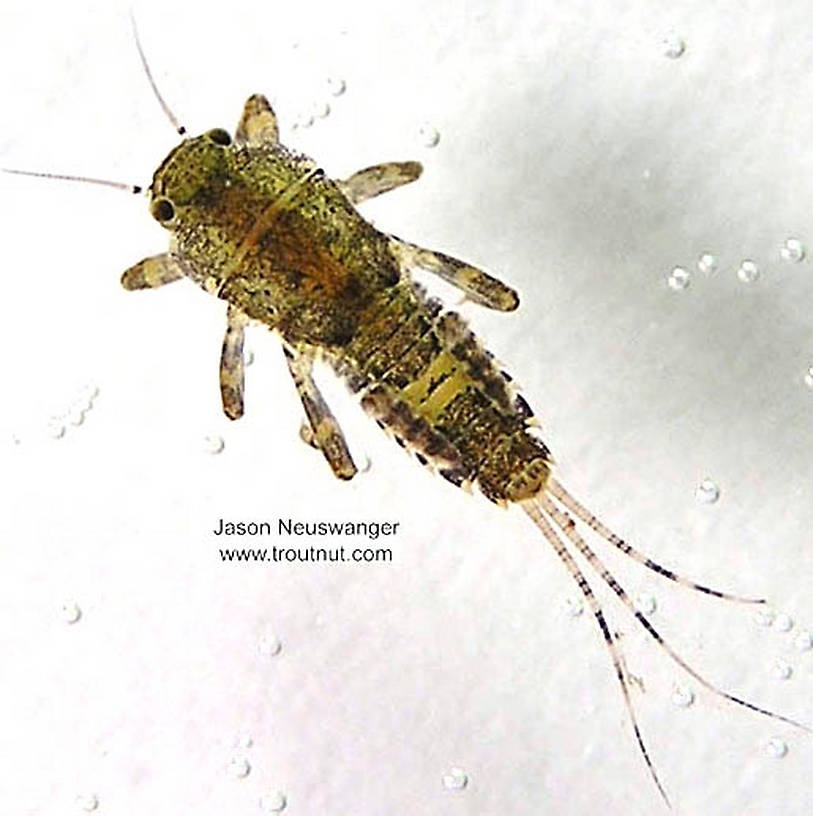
(479, 286)
(258, 123)
(326, 435)
(232, 366)
(381, 178)
(152, 272)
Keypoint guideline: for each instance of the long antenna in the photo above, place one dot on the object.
(118, 185)
(170, 115)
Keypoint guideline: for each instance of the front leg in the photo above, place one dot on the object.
(232, 365)
(323, 432)
(381, 178)
(258, 124)
(152, 272)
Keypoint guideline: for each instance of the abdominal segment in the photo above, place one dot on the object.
(426, 379)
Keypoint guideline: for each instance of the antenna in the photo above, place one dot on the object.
(170, 115)
(118, 185)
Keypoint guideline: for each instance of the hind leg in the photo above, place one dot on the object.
(323, 431)
(232, 364)
(479, 286)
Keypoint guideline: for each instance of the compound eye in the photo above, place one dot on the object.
(219, 136)
(162, 210)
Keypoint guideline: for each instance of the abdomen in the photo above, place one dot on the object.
(425, 378)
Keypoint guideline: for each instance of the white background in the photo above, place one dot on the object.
(580, 164)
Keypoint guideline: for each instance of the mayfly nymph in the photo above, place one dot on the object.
(265, 230)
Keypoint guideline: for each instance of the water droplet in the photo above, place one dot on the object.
(55, 428)
(748, 272)
(776, 748)
(239, 768)
(682, 696)
(336, 85)
(765, 617)
(673, 46)
(783, 622)
(707, 263)
(71, 612)
(782, 670)
(707, 492)
(808, 378)
(804, 641)
(273, 802)
(321, 110)
(679, 278)
(455, 779)
(793, 250)
(645, 602)
(213, 444)
(87, 801)
(269, 645)
(428, 134)
(304, 120)
(574, 606)
(248, 357)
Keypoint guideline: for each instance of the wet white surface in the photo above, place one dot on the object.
(581, 162)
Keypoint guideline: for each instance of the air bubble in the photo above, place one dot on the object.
(645, 602)
(273, 802)
(782, 670)
(776, 748)
(783, 622)
(793, 250)
(213, 444)
(336, 85)
(71, 612)
(748, 272)
(708, 263)
(270, 645)
(804, 641)
(808, 378)
(679, 279)
(239, 768)
(574, 606)
(248, 357)
(455, 779)
(76, 416)
(321, 110)
(88, 802)
(304, 120)
(682, 696)
(673, 46)
(707, 492)
(765, 617)
(428, 134)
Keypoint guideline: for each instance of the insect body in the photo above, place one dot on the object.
(265, 230)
